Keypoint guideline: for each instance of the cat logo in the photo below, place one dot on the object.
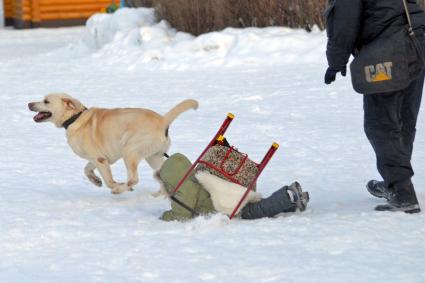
(380, 72)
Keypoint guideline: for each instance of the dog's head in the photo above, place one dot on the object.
(56, 108)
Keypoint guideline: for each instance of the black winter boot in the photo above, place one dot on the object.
(376, 188)
(400, 198)
(298, 197)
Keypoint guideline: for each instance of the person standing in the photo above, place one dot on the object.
(389, 117)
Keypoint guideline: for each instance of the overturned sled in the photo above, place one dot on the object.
(224, 161)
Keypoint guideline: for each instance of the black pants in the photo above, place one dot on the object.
(277, 203)
(390, 125)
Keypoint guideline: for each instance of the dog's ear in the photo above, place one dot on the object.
(69, 103)
(72, 104)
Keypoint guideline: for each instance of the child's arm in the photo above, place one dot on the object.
(171, 173)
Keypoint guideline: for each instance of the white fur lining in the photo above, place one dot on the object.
(225, 195)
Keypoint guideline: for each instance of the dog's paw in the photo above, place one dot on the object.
(120, 188)
(95, 180)
(161, 193)
(131, 184)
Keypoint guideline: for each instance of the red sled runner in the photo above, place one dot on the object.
(220, 140)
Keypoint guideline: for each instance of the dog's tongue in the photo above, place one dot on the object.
(41, 116)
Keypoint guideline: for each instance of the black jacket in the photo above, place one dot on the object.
(353, 23)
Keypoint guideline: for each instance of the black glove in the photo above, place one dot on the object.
(331, 74)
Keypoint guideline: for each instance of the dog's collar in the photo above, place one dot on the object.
(71, 120)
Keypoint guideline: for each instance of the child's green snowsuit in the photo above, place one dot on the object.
(191, 192)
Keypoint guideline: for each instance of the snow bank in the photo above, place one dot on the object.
(135, 36)
(103, 29)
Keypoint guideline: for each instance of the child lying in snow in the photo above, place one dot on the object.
(194, 195)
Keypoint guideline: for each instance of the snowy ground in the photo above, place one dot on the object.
(57, 227)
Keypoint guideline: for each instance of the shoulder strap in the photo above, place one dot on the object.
(412, 35)
(409, 20)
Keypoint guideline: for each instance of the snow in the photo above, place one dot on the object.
(55, 226)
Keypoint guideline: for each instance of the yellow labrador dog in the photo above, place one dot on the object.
(102, 136)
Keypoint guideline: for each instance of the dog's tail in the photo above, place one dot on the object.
(178, 109)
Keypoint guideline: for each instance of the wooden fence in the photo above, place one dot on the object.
(50, 13)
